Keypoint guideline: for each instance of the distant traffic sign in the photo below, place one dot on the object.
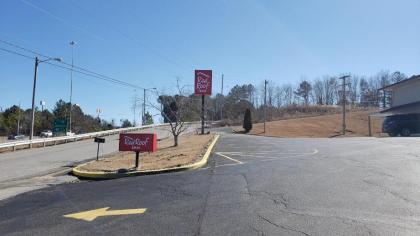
(59, 127)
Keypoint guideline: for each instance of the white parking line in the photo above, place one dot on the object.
(230, 158)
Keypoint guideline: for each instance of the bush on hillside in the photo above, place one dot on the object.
(247, 121)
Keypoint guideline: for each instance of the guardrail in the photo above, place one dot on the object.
(55, 140)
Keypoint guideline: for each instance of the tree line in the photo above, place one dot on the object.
(318, 95)
(14, 120)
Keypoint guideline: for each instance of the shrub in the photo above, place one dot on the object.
(247, 121)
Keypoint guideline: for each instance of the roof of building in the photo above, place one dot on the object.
(413, 107)
(412, 78)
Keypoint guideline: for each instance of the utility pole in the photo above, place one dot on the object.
(72, 43)
(143, 115)
(134, 108)
(33, 99)
(37, 61)
(221, 102)
(343, 100)
(265, 103)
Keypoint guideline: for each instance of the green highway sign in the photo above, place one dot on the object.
(59, 126)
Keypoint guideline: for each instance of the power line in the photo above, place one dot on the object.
(24, 49)
(76, 69)
(16, 53)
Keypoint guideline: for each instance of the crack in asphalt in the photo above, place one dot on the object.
(356, 223)
(206, 199)
(276, 198)
(284, 227)
(247, 183)
(395, 194)
(259, 231)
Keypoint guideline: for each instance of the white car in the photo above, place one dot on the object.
(69, 133)
(46, 134)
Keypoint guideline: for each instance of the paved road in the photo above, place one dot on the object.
(252, 186)
(35, 168)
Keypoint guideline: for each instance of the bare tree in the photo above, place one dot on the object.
(319, 92)
(353, 89)
(278, 96)
(176, 110)
(330, 89)
(287, 94)
(397, 77)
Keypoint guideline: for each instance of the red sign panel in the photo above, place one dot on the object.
(202, 85)
(138, 142)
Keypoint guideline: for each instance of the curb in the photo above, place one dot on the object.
(113, 175)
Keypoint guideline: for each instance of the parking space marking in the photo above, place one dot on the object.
(263, 154)
(261, 157)
(230, 158)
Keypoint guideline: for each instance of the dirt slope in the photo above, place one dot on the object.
(321, 126)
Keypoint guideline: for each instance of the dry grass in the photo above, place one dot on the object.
(190, 149)
(321, 126)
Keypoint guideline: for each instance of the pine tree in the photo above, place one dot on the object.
(247, 120)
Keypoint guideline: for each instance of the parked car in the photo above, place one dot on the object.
(405, 125)
(69, 133)
(16, 137)
(46, 134)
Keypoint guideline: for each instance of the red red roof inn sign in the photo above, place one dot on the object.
(202, 85)
(138, 143)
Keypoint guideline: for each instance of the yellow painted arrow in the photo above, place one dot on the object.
(93, 214)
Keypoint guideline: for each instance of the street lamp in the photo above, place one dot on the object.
(72, 43)
(143, 119)
(37, 62)
(42, 103)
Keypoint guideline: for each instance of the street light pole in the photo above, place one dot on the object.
(72, 43)
(18, 123)
(221, 101)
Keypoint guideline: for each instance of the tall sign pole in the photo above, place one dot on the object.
(202, 114)
(202, 86)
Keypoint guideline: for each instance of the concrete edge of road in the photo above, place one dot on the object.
(113, 175)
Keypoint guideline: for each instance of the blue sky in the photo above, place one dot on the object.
(151, 43)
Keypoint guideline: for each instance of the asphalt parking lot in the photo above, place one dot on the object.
(252, 186)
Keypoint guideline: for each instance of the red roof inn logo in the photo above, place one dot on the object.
(202, 83)
(138, 142)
